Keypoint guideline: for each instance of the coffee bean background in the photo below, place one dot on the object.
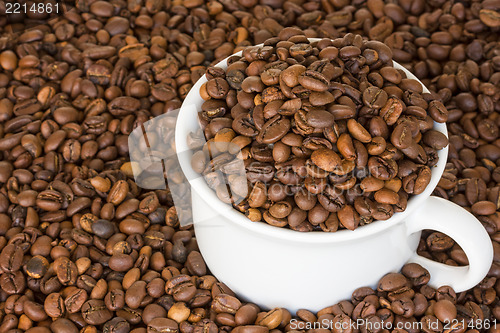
(83, 248)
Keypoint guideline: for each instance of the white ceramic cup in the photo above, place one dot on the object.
(275, 267)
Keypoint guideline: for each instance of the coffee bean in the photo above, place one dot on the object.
(75, 300)
(54, 305)
(381, 168)
(348, 217)
(247, 314)
(271, 319)
(217, 88)
(392, 282)
(321, 119)
(117, 324)
(435, 139)
(423, 179)
(195, 264)
(12, 283)
(226, 304)
(439, 241)
(326, 159)
(418, 275)
(11, 258)
(118, 192)
(349, 52)
(114, 300)
(438, 111)
(245, 125)
(63, 325)
(37, 266)
(401, 136)
(374, 97)
(445, 311)
(181, 288)
(403, 307)
(290, 75)
(34, 311)
(8, 60)
(392, 110)
(489, 17)
(274, 129)
(135, 294)
(162, 325)
(121, 262)
(66, 271)
(483, 208)
(358, 131)
(342, 111)
(386, 196)
(313, 81)
(94, 312)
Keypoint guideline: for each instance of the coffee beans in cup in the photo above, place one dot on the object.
(330, 135)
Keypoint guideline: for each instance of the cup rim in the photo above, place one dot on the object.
(201, 188)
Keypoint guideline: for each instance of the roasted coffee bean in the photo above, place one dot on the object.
(94, 312)
(63, 325)
(34, 311)
(37, 266)
(162, 325)
(75, 300)
(244, 125)
(382, 169)
(438, 111)
(401, 137)
(117, 325)
(274, 129)
(319, 118)
(348, 217)
(418, 275)
(392, 282)
(435, 139)
(483, 208)
(445, 311)
(290, 75)
(66, 270)
(181, 288)
(313, 81)
(12, 283)
(11, 258)
(374, 97)
(439, 242)
(54, 305)
(358, 131)
(226, 304)
(326, 159)
(217, 88)
(271, 319)
(392, 110)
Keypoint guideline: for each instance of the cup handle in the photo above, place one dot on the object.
(446, 217)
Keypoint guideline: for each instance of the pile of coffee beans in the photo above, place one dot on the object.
(73, 222)
(331, 134)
